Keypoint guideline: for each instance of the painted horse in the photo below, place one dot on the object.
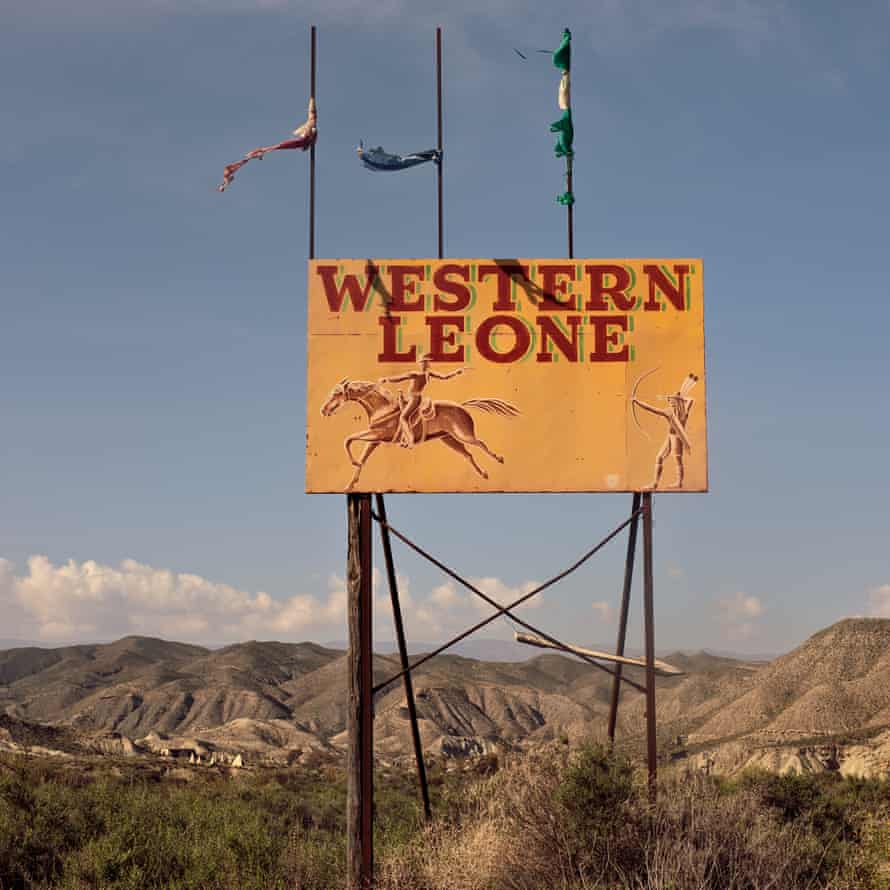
(449, 422)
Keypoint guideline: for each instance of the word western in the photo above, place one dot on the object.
(576, 312)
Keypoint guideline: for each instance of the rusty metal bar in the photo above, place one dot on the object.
(501, 610)
(571, 207)
(403, 655)
(359, 713)
(312, 70)
(622, 618)
(441, 229)
(649, 620)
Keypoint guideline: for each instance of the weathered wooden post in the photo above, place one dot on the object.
(360, 715)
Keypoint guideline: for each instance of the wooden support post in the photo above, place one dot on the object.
(622, 618)
(649, 620)
(403, 655)
(359, 716)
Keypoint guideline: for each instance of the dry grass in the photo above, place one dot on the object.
(555, 820)
(538, 825)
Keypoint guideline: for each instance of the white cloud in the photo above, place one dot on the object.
(87, 600)
(504, 594)
(879, 601)
(77, 601)
(450, 608)
(739, 614)
(606, 611)
(446, 596)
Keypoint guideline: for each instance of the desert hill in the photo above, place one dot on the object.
(283, 701)
(823, 706)
(837, 681)
(280, 699)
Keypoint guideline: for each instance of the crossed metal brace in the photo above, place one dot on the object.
(407, 669)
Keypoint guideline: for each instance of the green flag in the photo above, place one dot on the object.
(562, 58)
(566, 132)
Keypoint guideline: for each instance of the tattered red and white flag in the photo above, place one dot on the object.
(304, 137)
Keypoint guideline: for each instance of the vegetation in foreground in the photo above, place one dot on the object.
(555, 819)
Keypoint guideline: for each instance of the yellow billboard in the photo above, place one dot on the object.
(463, 375)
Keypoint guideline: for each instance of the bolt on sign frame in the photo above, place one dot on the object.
(495, 375)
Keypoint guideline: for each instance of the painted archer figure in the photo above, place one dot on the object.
(409, 406)
(677, 416)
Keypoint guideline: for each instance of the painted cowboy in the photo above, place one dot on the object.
(409, 405)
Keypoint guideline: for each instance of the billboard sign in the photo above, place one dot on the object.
(532, 375)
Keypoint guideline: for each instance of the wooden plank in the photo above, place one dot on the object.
(662, 668)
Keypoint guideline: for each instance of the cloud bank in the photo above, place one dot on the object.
(81, 601)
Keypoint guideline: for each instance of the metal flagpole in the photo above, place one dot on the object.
(570, 207)
(441, 231)
(312, 67)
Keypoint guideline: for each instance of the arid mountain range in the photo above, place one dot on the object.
(825, 705)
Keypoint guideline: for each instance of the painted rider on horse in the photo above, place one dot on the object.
(408, 406)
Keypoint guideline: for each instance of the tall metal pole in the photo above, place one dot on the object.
(359, 713)
(312, 68)
(649, 620)
(622, 619)
(571, 207)
(312, 83)
(403, 655)
(441, 230)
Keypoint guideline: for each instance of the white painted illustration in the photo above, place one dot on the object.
(676, 443)
(411, 419)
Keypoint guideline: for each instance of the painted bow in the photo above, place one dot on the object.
(633, 396)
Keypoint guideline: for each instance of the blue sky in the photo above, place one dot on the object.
(153, 337)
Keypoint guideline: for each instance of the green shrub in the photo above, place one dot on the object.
(594, 789)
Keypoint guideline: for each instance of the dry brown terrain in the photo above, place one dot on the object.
(825, 705)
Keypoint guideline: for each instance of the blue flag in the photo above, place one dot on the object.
(380, 160)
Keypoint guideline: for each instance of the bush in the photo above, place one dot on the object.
(585, 823)
(594, 788)
(552, 819)
(129, 828)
